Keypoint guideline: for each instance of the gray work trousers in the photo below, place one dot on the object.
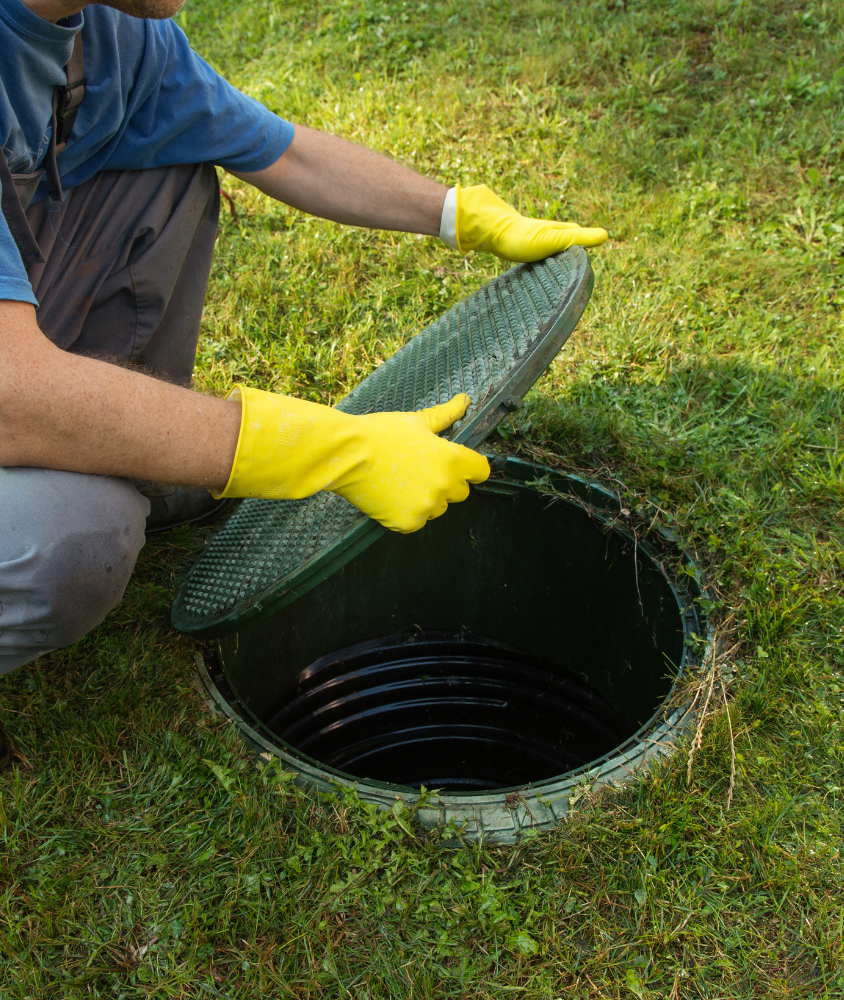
(128, 257)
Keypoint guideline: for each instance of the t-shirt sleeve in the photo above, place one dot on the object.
(183, 111)
(14, 283)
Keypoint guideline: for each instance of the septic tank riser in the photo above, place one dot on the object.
(502, 816)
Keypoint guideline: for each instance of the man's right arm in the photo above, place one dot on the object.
(64, 411)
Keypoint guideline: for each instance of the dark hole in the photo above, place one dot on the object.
(510, 641)
(455, 712)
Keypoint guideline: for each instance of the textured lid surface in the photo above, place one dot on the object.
(493, 345)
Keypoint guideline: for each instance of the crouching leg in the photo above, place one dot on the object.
(68, 544)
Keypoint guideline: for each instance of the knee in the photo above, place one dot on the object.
(69, 544)
(82, 578)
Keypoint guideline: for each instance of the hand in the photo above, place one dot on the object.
(392, 466)
(485, 222)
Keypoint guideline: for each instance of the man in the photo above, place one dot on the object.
(110, 127)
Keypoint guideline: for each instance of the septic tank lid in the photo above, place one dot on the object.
(493, 345)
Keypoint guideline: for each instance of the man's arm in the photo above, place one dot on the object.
(334, 179)
(63, 411)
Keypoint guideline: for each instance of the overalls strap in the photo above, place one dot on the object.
(66, 101)
(19, 189)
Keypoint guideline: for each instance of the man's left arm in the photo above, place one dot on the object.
(332, 178)
(335, 179)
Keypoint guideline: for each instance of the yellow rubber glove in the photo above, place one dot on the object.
(485, 222)
(392, 466)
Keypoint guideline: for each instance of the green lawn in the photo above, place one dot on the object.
(145, 856)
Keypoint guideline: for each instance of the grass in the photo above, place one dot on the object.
(144, 855)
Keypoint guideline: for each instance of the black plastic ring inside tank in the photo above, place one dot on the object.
(455, 712)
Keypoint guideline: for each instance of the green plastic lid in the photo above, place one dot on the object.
(493, 345)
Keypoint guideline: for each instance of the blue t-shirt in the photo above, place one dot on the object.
(150, 101)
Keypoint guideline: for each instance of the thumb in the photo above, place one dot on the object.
(438, 418)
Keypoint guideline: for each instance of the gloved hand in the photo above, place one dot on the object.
(484, 222)
(392, 466)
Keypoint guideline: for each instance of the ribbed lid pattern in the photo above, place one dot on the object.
(498, 340)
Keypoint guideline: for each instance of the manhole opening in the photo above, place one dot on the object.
(515, 640)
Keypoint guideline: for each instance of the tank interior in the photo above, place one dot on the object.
(511, 640)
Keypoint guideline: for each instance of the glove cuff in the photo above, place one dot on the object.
(448, 222)
(288, 448)
(481, 216)
(236, 395)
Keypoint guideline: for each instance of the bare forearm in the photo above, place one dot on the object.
(334, 179)
(61, 411)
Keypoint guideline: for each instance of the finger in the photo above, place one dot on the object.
(439, 510)
(458, 492)
(438, 418)
(405, 525)
(474, 467)
(553, 224)
(589, 237)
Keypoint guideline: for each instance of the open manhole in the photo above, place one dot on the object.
(519, 649)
